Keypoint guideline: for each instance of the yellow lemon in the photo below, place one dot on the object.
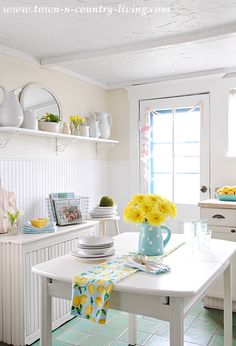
(220, 193)
(101, 290)
(110, 288)
(88, 310)
(83, 281)
(84, 299)
(99, 302)
(91, 289)
(226, 189)
(230, 192)
(106, 305)
(76, 301)
(219, 190)
(102, 321)
(101, 282)
(233, 188)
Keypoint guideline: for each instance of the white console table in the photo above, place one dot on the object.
(19, 287)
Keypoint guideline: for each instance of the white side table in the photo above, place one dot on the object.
(104, 220)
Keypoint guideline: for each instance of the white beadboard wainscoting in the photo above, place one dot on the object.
(32, 180)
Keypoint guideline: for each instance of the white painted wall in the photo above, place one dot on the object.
(30, 167)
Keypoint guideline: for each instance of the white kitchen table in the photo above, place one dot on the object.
(167, 296)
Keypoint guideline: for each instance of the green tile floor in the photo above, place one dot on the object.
(202, 327)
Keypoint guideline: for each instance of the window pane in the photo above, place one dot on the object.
(162, 184)
(162, 126)
(187, 165)
(187, 125)
(187, 188)
(162, 164)
(162, 150)
(187, 149)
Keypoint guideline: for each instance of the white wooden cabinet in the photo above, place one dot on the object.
(221, 218)
(19, 287)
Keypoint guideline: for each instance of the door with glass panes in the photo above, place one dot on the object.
(174, 152)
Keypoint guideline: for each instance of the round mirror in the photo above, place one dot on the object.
(36, 100)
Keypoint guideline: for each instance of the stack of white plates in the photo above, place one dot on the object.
(94, 247)
(103, 212)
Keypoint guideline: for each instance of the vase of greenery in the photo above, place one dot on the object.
(75, 122)
(50, 122)
(13, 216)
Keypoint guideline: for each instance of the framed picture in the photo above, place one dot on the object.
(68, 211)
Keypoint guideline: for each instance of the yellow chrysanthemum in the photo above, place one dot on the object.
(99, 302)
(138, 198)
(150, 208)
(88, 310)
(76, 301)
(91, 289)
(133, 215)
(101, 289)
(155, 219)
(84, 299)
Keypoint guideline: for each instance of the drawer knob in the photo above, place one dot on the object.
(233, 231)
(218, 216)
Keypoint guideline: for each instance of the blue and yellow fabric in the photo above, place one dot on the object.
(92, 290)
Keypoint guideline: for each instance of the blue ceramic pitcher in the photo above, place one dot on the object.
(151, 242)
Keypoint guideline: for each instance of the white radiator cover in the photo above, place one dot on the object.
(20, 287)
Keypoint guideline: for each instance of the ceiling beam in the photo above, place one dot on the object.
(229, 72)
(14, 53)
(165, 42)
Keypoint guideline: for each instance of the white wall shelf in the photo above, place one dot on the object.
(62, 140)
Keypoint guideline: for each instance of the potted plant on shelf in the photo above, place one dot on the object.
(50, 122)
(75, 122)
(13, 216)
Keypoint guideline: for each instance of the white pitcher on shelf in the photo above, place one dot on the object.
(11, 113)
(104, 123)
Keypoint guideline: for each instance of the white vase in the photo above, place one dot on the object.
(84, 130)
(30, 120)
(104, 123)
(74, 130)
(49, 126)
(66, 129)
(11, 113)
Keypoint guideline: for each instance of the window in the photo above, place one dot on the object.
(175, 153)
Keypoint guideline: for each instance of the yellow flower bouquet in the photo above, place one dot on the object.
(76, 120)
(150, 211)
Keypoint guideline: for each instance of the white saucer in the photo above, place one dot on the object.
(94, 257)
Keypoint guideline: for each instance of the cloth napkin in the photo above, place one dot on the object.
(157, 268)
(91, 290)
(29, 229)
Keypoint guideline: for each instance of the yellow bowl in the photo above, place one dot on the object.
(39, 223)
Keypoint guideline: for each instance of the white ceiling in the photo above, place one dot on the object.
(120, 49)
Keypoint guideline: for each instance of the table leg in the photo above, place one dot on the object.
(45, 315)
(176, 322)
(227, 307)
(102, 227)
(132, 329)
(117, 227)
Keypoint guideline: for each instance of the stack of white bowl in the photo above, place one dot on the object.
(103, 212)
(94, 247)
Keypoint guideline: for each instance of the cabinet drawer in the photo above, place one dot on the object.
(219, 217)
(224, 233)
